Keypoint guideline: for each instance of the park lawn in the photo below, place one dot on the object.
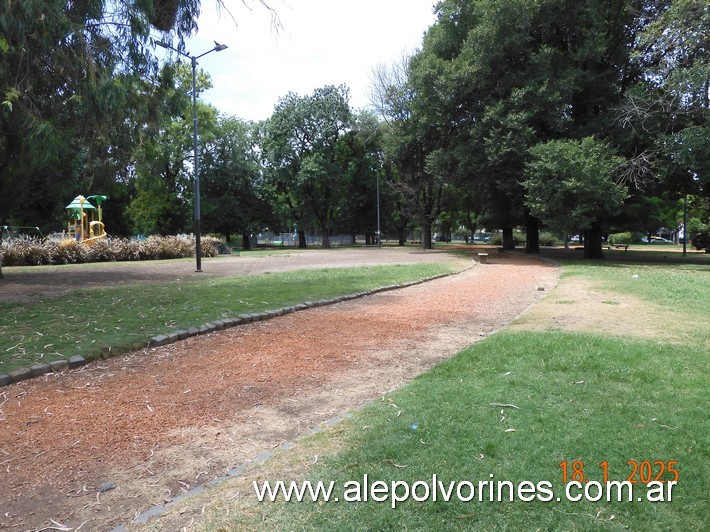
(88, 322)
(587, 396)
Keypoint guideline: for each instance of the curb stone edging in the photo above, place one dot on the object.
(234, 472)
(159, 340)
(262, 457)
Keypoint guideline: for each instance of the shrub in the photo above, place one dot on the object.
(26, 253)
(548, 239)
(211, 246)
(126, 249)
(171, 247)
(11, 255)
(36, 252)
(620, 238)
(101, 251)
(699, 234)
(69, 252)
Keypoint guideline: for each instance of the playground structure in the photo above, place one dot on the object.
(85, 222)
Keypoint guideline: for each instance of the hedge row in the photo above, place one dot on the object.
(48, 251)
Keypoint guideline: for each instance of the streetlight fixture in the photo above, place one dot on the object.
(193, 59)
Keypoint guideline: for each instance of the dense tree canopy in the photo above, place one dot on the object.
(571, 185)
(302, 149)
(571, 116)
(236, 200)
(73, 99)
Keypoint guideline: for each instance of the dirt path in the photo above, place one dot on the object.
(97, 446)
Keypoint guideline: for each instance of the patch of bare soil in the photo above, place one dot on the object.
(578, 305)
(92, 448)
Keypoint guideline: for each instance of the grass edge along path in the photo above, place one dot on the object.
(41, 337)
(516, 406)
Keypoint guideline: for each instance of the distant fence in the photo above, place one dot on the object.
(312, 239)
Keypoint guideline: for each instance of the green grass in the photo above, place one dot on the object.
(581, 396)
(678, 287)
(87, 322)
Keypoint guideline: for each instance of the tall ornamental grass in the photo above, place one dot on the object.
(50, 251)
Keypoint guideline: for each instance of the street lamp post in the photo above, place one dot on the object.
(193, 59)
(379, 233)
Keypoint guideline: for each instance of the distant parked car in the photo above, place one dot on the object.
(660, 240)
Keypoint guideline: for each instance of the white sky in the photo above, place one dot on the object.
(321, 42)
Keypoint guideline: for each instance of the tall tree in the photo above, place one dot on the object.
(233, 198)
(572, 186)
(359, 153)
(667, 110)
(69, 104)
(163, 159)
(499, 77)
(409, 145)
(301, 150)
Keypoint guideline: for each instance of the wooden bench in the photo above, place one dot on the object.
(619, 246)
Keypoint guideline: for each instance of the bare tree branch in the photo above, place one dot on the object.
(637, 172)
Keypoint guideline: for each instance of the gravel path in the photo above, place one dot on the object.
(99, 445)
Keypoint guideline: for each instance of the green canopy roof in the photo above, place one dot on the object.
(76, 204)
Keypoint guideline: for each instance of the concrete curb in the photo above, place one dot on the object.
(235, 472)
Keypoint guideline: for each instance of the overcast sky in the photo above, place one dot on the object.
(321, 42)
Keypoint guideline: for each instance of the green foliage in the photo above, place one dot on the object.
(163, 183)
(359, 154)
(301, 148)
(496, 78)
(85, 108)
(417, 164)
(667, 111)
(234, 195)
(570, 184)
(76, 83)
(548, 239)
(699, 233)
(620, 238)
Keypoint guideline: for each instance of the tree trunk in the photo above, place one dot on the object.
(402, 239)
(508, 240)
(325, 243)
(532, 244)
(227, 237)
(426, 235)
(302, 244)
(593, 242)
(246, 243)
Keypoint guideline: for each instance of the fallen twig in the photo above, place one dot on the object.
(505, 405)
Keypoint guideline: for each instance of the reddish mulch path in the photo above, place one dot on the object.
(94, 447)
